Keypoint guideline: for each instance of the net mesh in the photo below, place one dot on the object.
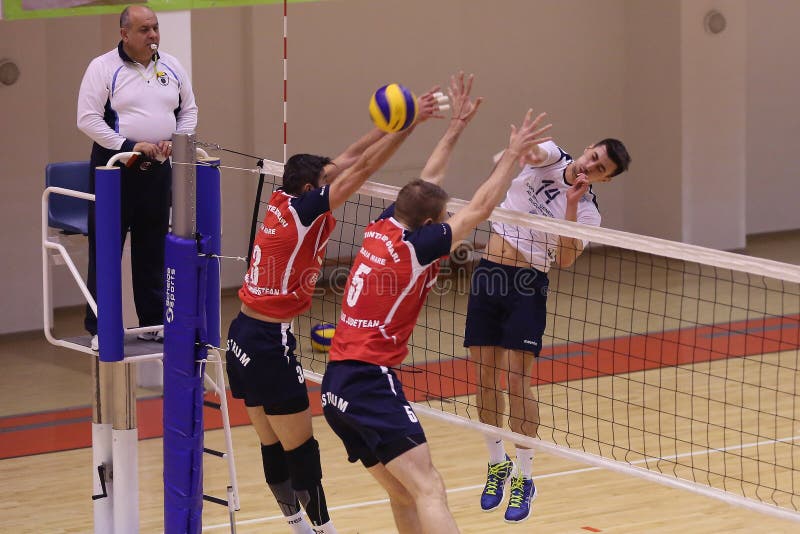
(684, 368)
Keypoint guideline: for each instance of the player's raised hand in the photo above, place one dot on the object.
(578, 189)
(464, 108)
(529, 134)
(428, 105)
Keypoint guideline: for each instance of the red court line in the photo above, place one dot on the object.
(70, 429)
(572, 361)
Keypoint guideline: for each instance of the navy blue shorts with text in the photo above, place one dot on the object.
(365, 406)
(262, 367)
(507, 307)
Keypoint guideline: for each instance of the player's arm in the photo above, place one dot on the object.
(463, 111)
(496, 185)
(570, 248)
(378, 154)
(351, 154)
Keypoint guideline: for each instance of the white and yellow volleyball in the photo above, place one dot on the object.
(393, 108)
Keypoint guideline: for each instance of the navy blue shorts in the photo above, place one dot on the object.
(507, 307)
(262, 368)
(365, 405)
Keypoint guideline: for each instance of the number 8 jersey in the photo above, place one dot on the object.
(287, 253)
(389, 280)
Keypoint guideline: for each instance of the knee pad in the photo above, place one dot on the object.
(274, 460)
(304, 466)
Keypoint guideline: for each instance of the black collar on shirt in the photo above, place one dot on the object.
(564, 176)
(125, 57)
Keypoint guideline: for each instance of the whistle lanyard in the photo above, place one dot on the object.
(156, 72)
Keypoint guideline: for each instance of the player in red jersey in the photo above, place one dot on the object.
(362, 399)
(285, 264)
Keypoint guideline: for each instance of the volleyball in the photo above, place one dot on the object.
(321, 336)
(393, 108)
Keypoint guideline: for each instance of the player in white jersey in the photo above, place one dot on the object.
(507, 307)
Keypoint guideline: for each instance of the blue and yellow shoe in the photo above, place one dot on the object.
(522, 494)
(496, 478)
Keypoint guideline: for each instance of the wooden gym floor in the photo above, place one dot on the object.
(50, 492)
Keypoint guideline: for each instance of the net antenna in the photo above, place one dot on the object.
(665, 361)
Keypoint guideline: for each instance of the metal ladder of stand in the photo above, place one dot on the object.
(217, 386)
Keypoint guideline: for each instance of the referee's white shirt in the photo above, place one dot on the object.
(122, 102)
(541, 190)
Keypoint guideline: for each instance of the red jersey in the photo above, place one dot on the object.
(390, 278)
(287, 253)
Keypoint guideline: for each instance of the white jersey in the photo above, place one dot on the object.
(122, 102)
(542, 191)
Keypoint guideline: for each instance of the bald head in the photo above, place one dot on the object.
(131, 13)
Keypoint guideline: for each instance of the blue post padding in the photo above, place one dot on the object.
(183, 389)
(209, 225)
(108, 239)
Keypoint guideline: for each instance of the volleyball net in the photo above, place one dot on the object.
(660, 359)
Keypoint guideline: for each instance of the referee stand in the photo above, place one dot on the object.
(114, 425)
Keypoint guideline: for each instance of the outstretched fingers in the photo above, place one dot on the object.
(530, 133)
(428, 105)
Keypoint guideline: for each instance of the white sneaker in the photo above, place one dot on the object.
(95, 343)
(156, 335)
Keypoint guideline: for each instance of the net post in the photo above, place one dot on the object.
(183, 377)
(209, 225)
(102, 493)
(117, 434)
(125, 439)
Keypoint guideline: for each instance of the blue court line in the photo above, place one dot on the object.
(746, 331)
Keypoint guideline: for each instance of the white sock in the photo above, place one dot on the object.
(299, 524)
(327, 528)
(497, 451)
(525, 462)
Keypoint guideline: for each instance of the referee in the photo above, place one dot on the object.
(133, 98)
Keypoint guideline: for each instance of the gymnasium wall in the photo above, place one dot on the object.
(610, 68)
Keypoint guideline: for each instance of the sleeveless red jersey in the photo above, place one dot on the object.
(287, 253)
(389, 280)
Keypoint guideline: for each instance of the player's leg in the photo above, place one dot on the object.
(287, 408)
(524, 408)
(524, 420)
(414, 470)
(249, 373)
(404, 509)
(524, 328)
(490, 363)
(486, 313)
(276, 471)
(303, 460)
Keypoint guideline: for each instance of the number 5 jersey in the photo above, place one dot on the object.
(388, 282)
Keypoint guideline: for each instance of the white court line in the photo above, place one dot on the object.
(538, 477)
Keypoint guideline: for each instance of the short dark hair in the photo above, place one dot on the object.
(302, 169)
(125, 17)
(419, 200)
(617, 153)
